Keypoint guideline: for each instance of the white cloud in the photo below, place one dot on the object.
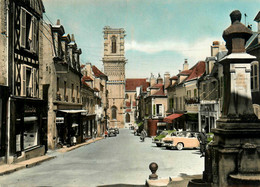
(198, 50)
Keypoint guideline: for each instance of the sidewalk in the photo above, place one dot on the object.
(181, 181)
(10, 168)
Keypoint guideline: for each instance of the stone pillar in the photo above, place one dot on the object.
(232, 158)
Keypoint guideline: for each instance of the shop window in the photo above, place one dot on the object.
(31, 135)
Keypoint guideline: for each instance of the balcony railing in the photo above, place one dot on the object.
(193, 100)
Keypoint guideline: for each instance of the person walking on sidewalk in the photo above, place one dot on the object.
(143, 135)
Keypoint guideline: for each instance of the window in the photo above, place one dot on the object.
(195, 92)
(113, 40)
(127, 118)
(126, 96)
(204, 87)
(159, 109)
(28, 31)
(114, 111)
(254, 76)
(189, 94)
(65, 91)
(29, 79)
(23, 28)
(72, 93)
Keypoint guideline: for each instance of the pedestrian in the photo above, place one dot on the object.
(203, 141)
(106, 133)
(143, 135)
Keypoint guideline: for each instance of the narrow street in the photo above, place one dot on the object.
(115, 160)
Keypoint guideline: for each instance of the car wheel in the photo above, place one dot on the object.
(167, 147)
(158, 144)
(179, 146)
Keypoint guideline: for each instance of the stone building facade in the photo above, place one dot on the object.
(61, 81)
(114, 67)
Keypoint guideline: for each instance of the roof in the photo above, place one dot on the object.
(160, 92)
(87, 78)
(171, 117)
(97, 72)
(156, 86)
(132, 84)
(128, 110)
(174, 78)
(257, 18)
(253, 41)
(96, 90)
(185, 72)
(128, 104)
(197, 71)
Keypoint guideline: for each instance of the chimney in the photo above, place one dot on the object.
(215, 48)
(72, 38)
(185, 65)
(166, 79)
(152, 80)
(58, 22)
(159, 79)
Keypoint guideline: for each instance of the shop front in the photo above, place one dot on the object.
(89, 126)
(28, 128)
(175, 121)
(69, 125)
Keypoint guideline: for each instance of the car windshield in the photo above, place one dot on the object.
(164, 133)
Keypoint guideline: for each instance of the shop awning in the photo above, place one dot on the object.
(160, 124)
(74, 111)
(170, 118)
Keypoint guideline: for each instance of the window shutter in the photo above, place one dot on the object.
(23, 28)
(23, 68)
(34, 82)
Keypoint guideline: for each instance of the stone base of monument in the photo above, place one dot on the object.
(234, 156)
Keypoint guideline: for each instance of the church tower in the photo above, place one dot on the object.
(114, 67)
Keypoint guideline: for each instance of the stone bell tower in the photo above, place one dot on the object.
(114, 67)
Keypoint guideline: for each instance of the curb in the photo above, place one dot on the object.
(67, 149)
(21, 165)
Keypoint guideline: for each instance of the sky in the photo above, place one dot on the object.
(160, 34)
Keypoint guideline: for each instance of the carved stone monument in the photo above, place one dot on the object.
(233, 158)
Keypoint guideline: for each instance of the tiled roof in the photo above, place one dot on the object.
(174, 78)
(197, 71)
(132, 84)
(156, 86)
(185, 72)
(97, 72)
(160, 92)
(128, 104)
(128, 110)
(87, 78)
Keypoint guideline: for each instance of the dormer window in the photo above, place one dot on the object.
(113, 44)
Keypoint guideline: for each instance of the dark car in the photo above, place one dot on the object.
(117, 130)
(112, 132)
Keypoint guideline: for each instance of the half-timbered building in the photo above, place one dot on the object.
(25, 108)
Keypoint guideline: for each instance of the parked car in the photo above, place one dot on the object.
(158, 140)
(112, 132)
(183, 139)
(117, 130)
